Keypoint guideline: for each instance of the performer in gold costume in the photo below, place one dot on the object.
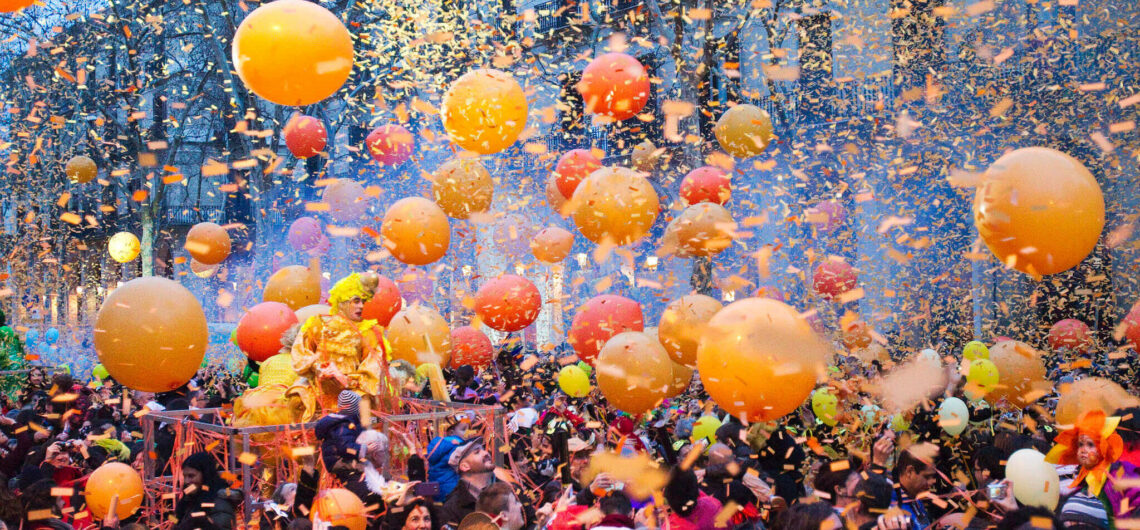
(340, 351)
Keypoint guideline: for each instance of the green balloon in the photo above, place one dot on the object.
(253, 380)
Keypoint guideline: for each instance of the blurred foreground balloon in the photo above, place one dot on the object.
(471, 347)
(982, 378)
(461, 187)
(645, 157)
(340, 507)
(572, 167)
(744, 131)
(1091, 393)
(614, 85)
(123, 247)
(416, 231)
(484, 111)
(292, 52)
(151, 334)
(682, 323)
(703, 229)
(614, 205)
(508, 303)
(419, 334)
(705, 429)
(1039, 210)
(975, 350)
(310, 311)
(80, 169)
(390, 144)
(599, 319)
(260, 329)
(1022, 372)
(1034, 481)
(208, 243)
(110, 480)
(11, 6)
(634, 372)
(305, 234)
(953, 416)
(759, 359)
(833, 278)
(827, 215)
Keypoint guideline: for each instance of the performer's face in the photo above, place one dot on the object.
(352, 309)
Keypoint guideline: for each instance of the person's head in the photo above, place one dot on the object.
(873, 495)
(1088, 454)
(457, 426)
(285, 494)
(376, 445)
(1029, 518)
(989, 465)
(347, 297)
(809, 515)
(200, 472)
(500, 502)
(472, 458)
(580, 452)
(348, 403)
(720, 456)
(836, 480)
(616, 503)
(915, 470)
(37, 497)
(352, 309)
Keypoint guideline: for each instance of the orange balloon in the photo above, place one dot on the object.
(856, 335)
(744, 130)
(1022, 373)
(703, 229)
(1039, 210)
(462, 186)
(202, 270)
(10, 6)
(634, 372)
(208, 243)
(599, 319)
(1091, 393)
(419, 334)
(552, 244)
(759, 359)
(682, 324)
(682, 378)
(471, 347)
(575, 165)
(295, 286)
(416, 231)
(292, 52)
(260, 329)
(151, 334)
(340, 507)
(615, 85)
(645, 157)
(555, 198)
(109, 480)
(508, 303)
(614, 204)
(484, 111)
(80, 169)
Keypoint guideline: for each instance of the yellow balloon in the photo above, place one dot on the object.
(975, 350)
(744, 130)
(705, 429)
(982, 377)
(574, 381)
(1039, 210)
(825, 406)
(614, 204)
(123, 247)
(484, 111)
(292, 52)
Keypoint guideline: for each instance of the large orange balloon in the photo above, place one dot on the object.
(292, 52)
(703, 229)
(1022, 373)
(682, 324)
(759, 359)
(80, 169)
(1039, 210)
(385, 302)
(552, 244)
(1091, 393)
(744, 131)
(706, 184)
(682, 378)
(600, 318)
(508, 303)
(471, 347)
(418, 334)
(575, 165)
(340, 507)
(484, 111)
(634, 372)
(11, 6)
(305, 136)
(295, 286)
(461, 187)
(208, 243)
(109, 480)
(614, 85)
(614, 204)
(416, 231)
(151, 334)
(260, 329)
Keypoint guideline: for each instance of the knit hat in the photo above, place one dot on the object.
(348, 402)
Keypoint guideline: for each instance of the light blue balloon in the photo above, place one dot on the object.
(52, 335)
(44, 348)
(32, 337)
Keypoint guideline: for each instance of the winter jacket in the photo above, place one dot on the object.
(337, 434)
(458, 505)
(438, 452)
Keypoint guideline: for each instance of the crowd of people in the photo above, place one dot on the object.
(684, 465)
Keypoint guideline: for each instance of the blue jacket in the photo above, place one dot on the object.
(439, 451)
(337, 434)
(920, 520)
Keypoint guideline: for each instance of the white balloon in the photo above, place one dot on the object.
(304, 313)
(1035, 481)
(953, 416)
(930, 355)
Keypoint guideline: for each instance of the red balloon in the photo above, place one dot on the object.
(259, 330)
(470, 346)
(1071, 334)
(614, 85)
(305, 136)
(706, 184)
(390, 144)
(574, 166)
(833, 278)
(1132, 326)
(599, 319)
(508, 303)
(385, 302)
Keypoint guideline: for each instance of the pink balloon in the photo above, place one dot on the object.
(513, 234)
(305, 234)
(322, 247)
(827, 215)
(346, 200)
(415, 285)
(390, 144)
